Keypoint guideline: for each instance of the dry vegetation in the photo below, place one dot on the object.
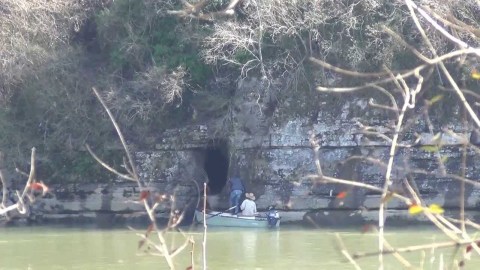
(403, 90)
(16, 203)
(403, 52)
(444, 39)
(151, 200)
(31, 34)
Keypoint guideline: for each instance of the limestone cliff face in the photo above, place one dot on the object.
(266, 139)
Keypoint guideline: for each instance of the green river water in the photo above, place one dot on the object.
(287, 248)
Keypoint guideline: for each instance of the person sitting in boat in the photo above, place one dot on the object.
(249, 207)
(236, 190)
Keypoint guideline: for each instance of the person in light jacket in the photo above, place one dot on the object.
(249, 207)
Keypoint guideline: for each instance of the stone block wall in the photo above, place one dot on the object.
(267, 141)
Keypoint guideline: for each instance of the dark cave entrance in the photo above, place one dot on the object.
(216, 165)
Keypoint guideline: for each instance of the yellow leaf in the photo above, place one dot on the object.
(435, 209)
(475, 74)
(444, 159)
(415, 209)
(435, 99)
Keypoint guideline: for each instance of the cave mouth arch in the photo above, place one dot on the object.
(216, 165)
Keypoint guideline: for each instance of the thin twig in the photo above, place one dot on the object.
(345, 253)
(106, 166)
(192, 253)
(463, 168)
(21, 205)
(387, 183)
(404, 75)
(441, 29)
(359, 255)
(443, 170)
(411, 6)
(204, 243)
(120, 136)
(328, 179)
(4, 190)
(316, 151)
(162, 248)
(398, 256)
(346, 72)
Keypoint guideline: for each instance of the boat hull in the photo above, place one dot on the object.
(221, 219)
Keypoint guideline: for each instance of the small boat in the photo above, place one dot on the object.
(222, 219)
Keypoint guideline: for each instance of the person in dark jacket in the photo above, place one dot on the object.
(236, 190)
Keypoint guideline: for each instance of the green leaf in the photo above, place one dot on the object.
(437, 138)
(435, 99)
(430, 148)
(444, 159)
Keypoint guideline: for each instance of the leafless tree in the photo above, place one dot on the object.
(329, 32)
(151, 200)
(24, 198)
(403, 91)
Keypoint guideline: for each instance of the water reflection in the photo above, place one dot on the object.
(249, 244)
(50, 248)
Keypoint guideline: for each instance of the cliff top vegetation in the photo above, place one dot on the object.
(164, 63)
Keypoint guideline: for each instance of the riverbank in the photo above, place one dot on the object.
(304, 219)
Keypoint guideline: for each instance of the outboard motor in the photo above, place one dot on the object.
(272, 216)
